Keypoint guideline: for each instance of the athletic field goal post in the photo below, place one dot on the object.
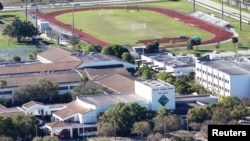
(132, 8)
(138, 26)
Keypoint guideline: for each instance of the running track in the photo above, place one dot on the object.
(220, 34)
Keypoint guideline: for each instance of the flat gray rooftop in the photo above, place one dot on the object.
(154, 83)
(175, 61)
(230, 67)
(109, 99)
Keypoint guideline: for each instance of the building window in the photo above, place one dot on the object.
(63, 88)
(90, 129)
(5, 92)
(71, 87)
(80, 130)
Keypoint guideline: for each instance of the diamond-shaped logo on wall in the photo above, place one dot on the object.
(163, 100)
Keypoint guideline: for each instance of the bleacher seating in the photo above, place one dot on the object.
(211, 19)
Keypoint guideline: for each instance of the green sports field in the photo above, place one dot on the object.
(116, 25)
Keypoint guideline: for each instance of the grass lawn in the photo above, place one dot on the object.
(117, 27)
(181, 5)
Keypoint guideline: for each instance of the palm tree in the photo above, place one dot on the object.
(3, 85)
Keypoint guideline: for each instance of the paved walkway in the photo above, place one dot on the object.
(225, 8)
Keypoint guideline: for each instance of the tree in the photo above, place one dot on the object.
(198, 115)
(123, 116)
(194, 41)
(167, 124)
(47, 88)
(217, 46)
(141, 128)
(114, 50)
(167, 77)
(79, 47)
(146, 72)
(45, 138)
(239, 112)
(190, 77)
(1, 6)
(126, 56)
(43, 90)
(74, 40)
(3, 85)
(17, 59)
(152, 47)
(182, 87)
(234, 40)
(162, 112)
(155, 136)
(221, 114)
(25, 125)
(246, 101)
(25, 93)
(230, 102)
(87, 87)
(19, 29)
(7, 127)
(33, 54)
(37, 139)
(93, 48)
(107, 129)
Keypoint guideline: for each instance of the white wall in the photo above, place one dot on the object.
(43, 60)
(184, 70)
(34, 110)
(66, 85)
(154, 94)
(4, 95)
(103, 108)
(144, 91)
(148, 59)
(160, 64)
(240, 86)
(169, 93)
(90, 117)
(84, 104)
(222, 83)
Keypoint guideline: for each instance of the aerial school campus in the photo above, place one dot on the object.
(79, 85)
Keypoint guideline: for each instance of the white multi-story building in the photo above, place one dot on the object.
(177, 65)
(225, 77)
(158, 93)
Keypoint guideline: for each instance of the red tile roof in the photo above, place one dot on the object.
(57, 54)
(97, 73)
(71, 109)
(67, 77)
(30, 104)
(37, 67)
(119, 83)
(57, 124)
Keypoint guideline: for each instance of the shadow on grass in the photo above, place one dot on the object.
(25, 43)
(245, 48)
(47, 42)
(7, 16)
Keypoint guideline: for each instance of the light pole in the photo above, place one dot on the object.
(26, 14)
(193, 5)
(73, 20)
(222, 10)
(240, 16)
(36, 12)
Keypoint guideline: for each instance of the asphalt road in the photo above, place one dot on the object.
(225, 8)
